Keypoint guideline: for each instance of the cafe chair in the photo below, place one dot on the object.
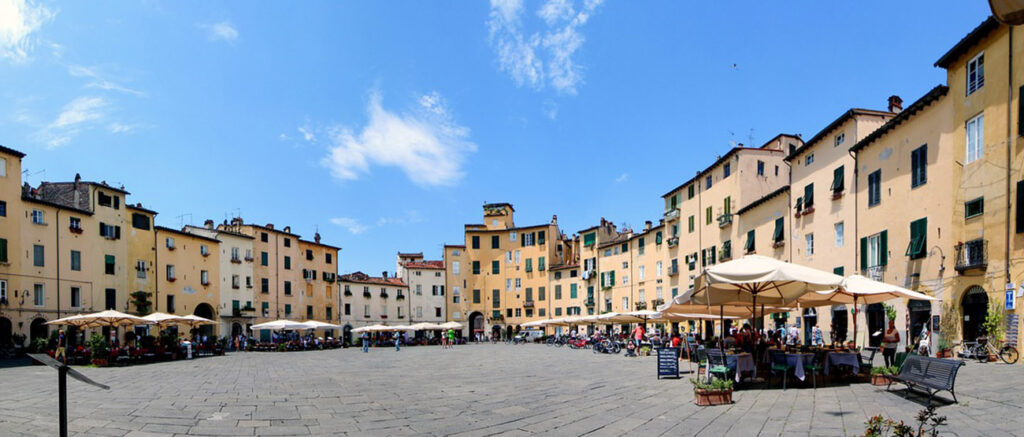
(779, 364)
(817, 366)
(717, 364)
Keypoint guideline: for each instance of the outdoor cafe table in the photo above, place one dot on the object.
(798, 361)
(851, 359)
(740, 363)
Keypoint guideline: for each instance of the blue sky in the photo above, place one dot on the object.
(388, 124)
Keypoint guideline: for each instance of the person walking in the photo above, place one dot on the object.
(365, 339)
(61, 354)
(398, 342)
(890, 340)
(451, 338)
(816, 337)
(638, 335)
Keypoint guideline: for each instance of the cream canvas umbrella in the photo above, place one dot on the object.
(162, 319)
(371, 328)
(451, 325)
(534, 324)
(857, 290)
(79, 321)
(194, 321)
(426, 326)
(315, 324)
(278, 325)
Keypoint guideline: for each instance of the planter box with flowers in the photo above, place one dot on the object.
(717, 392)
(882, 375)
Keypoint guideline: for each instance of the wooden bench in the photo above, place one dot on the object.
(931, 374)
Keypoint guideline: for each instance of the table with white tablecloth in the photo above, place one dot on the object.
(843, 359)
(798, 361)
(740, 363)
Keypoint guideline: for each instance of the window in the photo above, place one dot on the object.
(708, 215)
(3, 291)
(974, 208)
(975, 138)
(529, 265)
(476, 242)
(760, 168)
(528, 239)
(248, 282)
(110, 299)
(109, 201)
(287, 242)
(76, 261)
(476, 296)
(366, 310)
(37, 217)
(3, 167)
(204, 250)
(288, 288)
(264, 259)
(975, 73)
(529, 294)
(309, 311)
(874, 250)
(287, 309)
(657, 269)
(496, 266)
(690, 224)
(749, 247)
(309, 255)
(170, 272)
(918, 246)
(809, 196)
(3, 207)
(264, 285)
(838, 182)
(234, 254)
(38, 295)
(690, 191)
(170, 305)
(810, 244)
(707, 182)
(328, 258)
(347, 308)
(38, 255)
(496, 298)
(75, 223)
(476, 267)
(640, 273)
(495, 241)
(287, 262)
(573, 291)
(841, 271)
(455, 267)
(726, 170)
(110, 231)
(512, 235)
(809, 159)
(518, 257)
(169, 242)
(589, 239)
(519, 284)
(264, 237)
(874, 188)
(640, 246)
(140, 221)
(540, 264)
(76, 297)
(839, 230)
(840, 138)
(919, 166)
(236, 281)
(625, 304)
(108, 264)
(779, 233)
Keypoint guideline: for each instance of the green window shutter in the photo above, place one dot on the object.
(841, 271)
(589, 239)
(602, 279)
(3, 250)
(657, 238)
(884, 255)
(529, 265)
(864, 253)
(799, 204)
(837, 180)
(496, 266)
(611, 278)
(540, 237)
(749, 247)
(726, 207)
(713, 255)
(691, 224)
(918, 238)
(540, 264)
(779, 234)
(809, 195)
(703, 257)
(572, 291)
(476, 267)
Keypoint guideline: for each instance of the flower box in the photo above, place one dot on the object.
(101, 362)
(707, 398)
(880, 379)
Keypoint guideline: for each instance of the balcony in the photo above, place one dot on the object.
(674, 270)
(367, 294)
(497, 319)
(972, 255)
(236, 260)
(640, 306)
(671, 214)
(384, 294)
(589, 302)
(348, 293)
(724, 220)
(673, 241)
(399, 296)
(656, 302)
(248, 258)
(528, 304)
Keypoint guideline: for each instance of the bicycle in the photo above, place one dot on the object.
(983, 348)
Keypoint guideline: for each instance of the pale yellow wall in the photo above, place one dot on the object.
(761, 219)
(318, 293)
(141, 247)
(187, 288)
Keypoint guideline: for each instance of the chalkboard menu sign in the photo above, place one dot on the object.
(668, 362)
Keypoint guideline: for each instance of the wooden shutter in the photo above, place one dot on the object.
(1020, 201)
(864, 253)
(117, 232)
(883, 256)
(611, 278)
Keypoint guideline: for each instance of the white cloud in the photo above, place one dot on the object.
(352, 225)
(520, 54)
(307, 133)
(19, 19)
(222, 31)
(410, 217)
(98, 81)
(622, 178)
(550, 109)
(78, 114)
(122, 128)
(425, 143)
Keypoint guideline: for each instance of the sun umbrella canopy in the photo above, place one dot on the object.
(760, 279)
(103, 318)
(402, 328)
(534, 323)
(314, 324)
(676, 317)
(79, 320)
(426, 326)
(278, 325)
(451, 325)
(857, 289)
(162, 319)
(682, 304)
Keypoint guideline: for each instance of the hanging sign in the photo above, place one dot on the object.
(1011, 299)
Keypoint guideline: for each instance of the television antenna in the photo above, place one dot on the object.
(181, 219)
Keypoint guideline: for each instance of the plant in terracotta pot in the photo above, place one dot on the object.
(99, 349)
(949, 329)
(881, 375)
(716, 392)
(995, 324)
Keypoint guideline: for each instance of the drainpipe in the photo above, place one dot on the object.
(1009, 147)
(56, 234)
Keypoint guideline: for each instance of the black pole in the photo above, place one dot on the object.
(62, 400)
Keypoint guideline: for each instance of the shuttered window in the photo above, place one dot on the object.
(875, 188)
(919, 166)
(779, 233)
(917, 248)
(749, 246)
(838, 183)
(809, 196)
(591, 238)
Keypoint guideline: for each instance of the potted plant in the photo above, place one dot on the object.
(717, 392)
(949, 328)
(995, 323)
(881, 375)
(99, 349)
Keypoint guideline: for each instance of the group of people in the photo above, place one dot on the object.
(447, 340)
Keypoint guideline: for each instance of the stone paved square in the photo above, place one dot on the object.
(473, 390)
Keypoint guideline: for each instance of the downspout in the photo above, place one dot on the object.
(156, 270)
(1009, 148)
(856, 240)
(277, 280)
(56, 234)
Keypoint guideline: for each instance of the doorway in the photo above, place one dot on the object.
(875, 315)
(920, 313)
(6, 329)
(839, 323)
(810, 321)
(975, 310)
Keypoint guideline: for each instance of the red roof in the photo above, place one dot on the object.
(363, 278)
(438, 265)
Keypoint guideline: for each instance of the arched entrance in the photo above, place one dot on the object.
(206, 311)
(6, 330)
(346, 334)
(839, 323)
(920, 313)
(975, 309)
(810, 321)
(236, 329)
(875, 315)
(509, 332)
(476, 325)
(38, 329)
(496, 332)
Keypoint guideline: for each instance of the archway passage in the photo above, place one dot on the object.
(509, 332)
(206, 311)
(839, 323)
(975, 309)
(38, 329)
(6, 330)
(346, 335)
(875, 315)
(476, 325)
(236, 329)
(496, 332)
(920, 313)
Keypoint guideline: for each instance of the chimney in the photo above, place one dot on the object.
(288, 229)
(895, 103)
(208, 224)
(78, 178)
(270, 226)
(647, 225)
(316, 237)
(554, 219)
(384, 274)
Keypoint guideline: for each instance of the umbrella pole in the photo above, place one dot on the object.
(721, 338)
(855, 321)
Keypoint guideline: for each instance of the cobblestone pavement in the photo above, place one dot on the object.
(471, 390)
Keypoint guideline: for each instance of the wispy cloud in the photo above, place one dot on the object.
(425, 143)
(622, 178)
(410, 217)
(19, 19)
(545, 57)
(223, 31)
(350, 224)
(80, 113)
(98, 81)
(122, 128)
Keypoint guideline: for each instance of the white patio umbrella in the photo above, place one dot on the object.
(162, 319)
(534, 324)
(278, 325)
(315, 324)
(426, 326)
(402, 328)
(451, 325)
(857, 289)
(78, 320)
(372, 328)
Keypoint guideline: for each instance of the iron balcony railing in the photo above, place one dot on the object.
(972, 255)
